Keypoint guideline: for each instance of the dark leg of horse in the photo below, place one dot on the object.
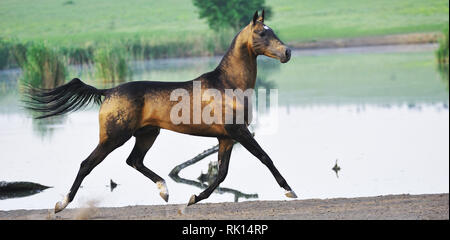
(225, 147)
(241, 134)
(96, 157)
(145, 138)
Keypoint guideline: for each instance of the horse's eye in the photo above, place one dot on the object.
(262, 34)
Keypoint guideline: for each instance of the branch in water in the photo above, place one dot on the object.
(174, 174)
(196, 159)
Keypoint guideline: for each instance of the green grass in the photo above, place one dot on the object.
(315, 20)
(85, 22)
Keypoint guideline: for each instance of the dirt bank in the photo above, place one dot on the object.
(410, 38)
(427, 206)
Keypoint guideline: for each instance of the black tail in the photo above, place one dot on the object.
(63, 99)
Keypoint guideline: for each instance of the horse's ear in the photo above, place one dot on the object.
(255, 17)
(261, 18)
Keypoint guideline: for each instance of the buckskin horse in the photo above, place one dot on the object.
(142, 108)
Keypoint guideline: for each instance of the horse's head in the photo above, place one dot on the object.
(263, 40)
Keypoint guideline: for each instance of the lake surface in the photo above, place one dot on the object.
(381, 112)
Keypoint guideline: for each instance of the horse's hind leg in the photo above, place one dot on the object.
(241, 134)
(225, 147)
(97, 156)
(145, 138)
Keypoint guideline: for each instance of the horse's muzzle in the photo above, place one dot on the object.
(286, 57)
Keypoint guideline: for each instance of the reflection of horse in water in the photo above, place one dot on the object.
(141, 109)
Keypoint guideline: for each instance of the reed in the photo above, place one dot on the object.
(4, 53)
(111, 64)
(442, 56)
(12, 53)
(43, 67)
(443, 51)
(205, 45)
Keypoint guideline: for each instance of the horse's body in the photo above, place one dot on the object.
(136, 105)
(141, 109)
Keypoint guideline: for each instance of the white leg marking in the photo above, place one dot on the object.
(61, 205)
(164, 192)
(290, 194)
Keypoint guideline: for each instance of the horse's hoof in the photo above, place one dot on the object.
(164, 193)
(164, 196)
(192, 200)
(59, 206)
(290, 194)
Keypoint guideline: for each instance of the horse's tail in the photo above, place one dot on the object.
(63, 99)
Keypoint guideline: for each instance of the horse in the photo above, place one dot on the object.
(142, 108)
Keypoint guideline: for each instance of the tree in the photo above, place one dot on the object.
(222, 14)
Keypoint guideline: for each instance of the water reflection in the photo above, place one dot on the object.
(444, 72)
(265, 79)
(45, 128)
(10, 102)
(19, 189)
(112, 185)
(336, 169)
(204, 180)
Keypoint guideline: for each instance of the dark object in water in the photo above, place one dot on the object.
(204, 179)
(211, 175)
(112, 184)
(336, 169)
(19, 189)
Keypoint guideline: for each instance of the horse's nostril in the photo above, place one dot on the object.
(288, 53)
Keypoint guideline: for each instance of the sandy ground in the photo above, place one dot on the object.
(427, 206)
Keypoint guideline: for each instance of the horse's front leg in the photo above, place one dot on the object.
(225, 147)
(241, 134)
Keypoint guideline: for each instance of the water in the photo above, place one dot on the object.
(382, 112)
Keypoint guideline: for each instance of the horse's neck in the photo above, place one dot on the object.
(238, 66)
